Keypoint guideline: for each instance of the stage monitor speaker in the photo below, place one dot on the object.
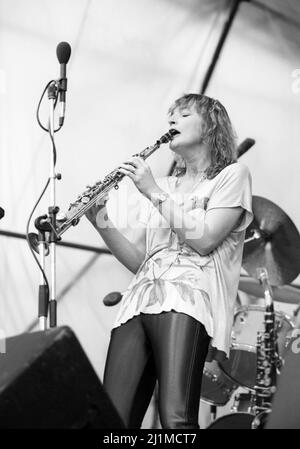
(46, 381)
(285, 412)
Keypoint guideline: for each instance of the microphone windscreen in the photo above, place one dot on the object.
(63, 52)
(112, 299)
(245, 146)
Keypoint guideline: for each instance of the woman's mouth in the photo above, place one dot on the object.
(174, 132)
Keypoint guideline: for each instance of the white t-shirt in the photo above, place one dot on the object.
(173, 276)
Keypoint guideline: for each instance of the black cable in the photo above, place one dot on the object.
(227, 26)
(27, 234)
(48, 180)
(53, 149)
(39, 105)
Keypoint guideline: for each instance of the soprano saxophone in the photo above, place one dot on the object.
(93, 193)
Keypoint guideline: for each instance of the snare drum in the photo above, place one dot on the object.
(216, 387)
(248, 321)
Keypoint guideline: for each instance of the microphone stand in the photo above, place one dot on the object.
(42, 225)
(47, 224)
(53, 209)
(45, 244)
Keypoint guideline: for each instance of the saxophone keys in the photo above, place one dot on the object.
(85, 199)
(61, 216)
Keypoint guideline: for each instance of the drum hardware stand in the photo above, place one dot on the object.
(269, 304)
(238, 398)
(255, 236)
(213, 412)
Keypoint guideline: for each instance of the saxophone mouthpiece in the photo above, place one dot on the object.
(173, 132)
(169, 135)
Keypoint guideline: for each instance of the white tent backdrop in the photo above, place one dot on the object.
(130, 60)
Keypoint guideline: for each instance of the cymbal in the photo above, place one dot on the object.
(272, 241)
(286, 293)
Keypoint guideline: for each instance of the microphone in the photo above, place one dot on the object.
(245, 146)
(63, 53)
(2, 213)
(112, 299)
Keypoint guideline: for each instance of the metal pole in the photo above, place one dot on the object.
(52, 92)
(232, 13)
(94, 249)
(43, 294)
(68, 287)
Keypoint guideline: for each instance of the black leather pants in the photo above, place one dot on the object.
(170, 347)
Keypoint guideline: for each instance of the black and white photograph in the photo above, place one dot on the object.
(149, 217)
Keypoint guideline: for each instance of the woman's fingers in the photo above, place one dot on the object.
(135, 161)
(128, 166)
(101, 201)
(134, 164)
(139, 172)
(127, 173)
(98, 208)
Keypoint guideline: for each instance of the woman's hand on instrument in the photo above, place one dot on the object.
(97, 212)
(140, 173)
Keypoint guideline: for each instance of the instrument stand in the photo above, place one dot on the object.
(256, 234)
(213, 412)
(53, 209)
(42, 226)
(47, 224)
(267, 378)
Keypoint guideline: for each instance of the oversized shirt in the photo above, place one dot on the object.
(174, 276)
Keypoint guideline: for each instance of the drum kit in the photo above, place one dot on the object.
(272, 243)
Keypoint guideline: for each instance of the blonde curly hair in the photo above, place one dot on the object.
(217, 132)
